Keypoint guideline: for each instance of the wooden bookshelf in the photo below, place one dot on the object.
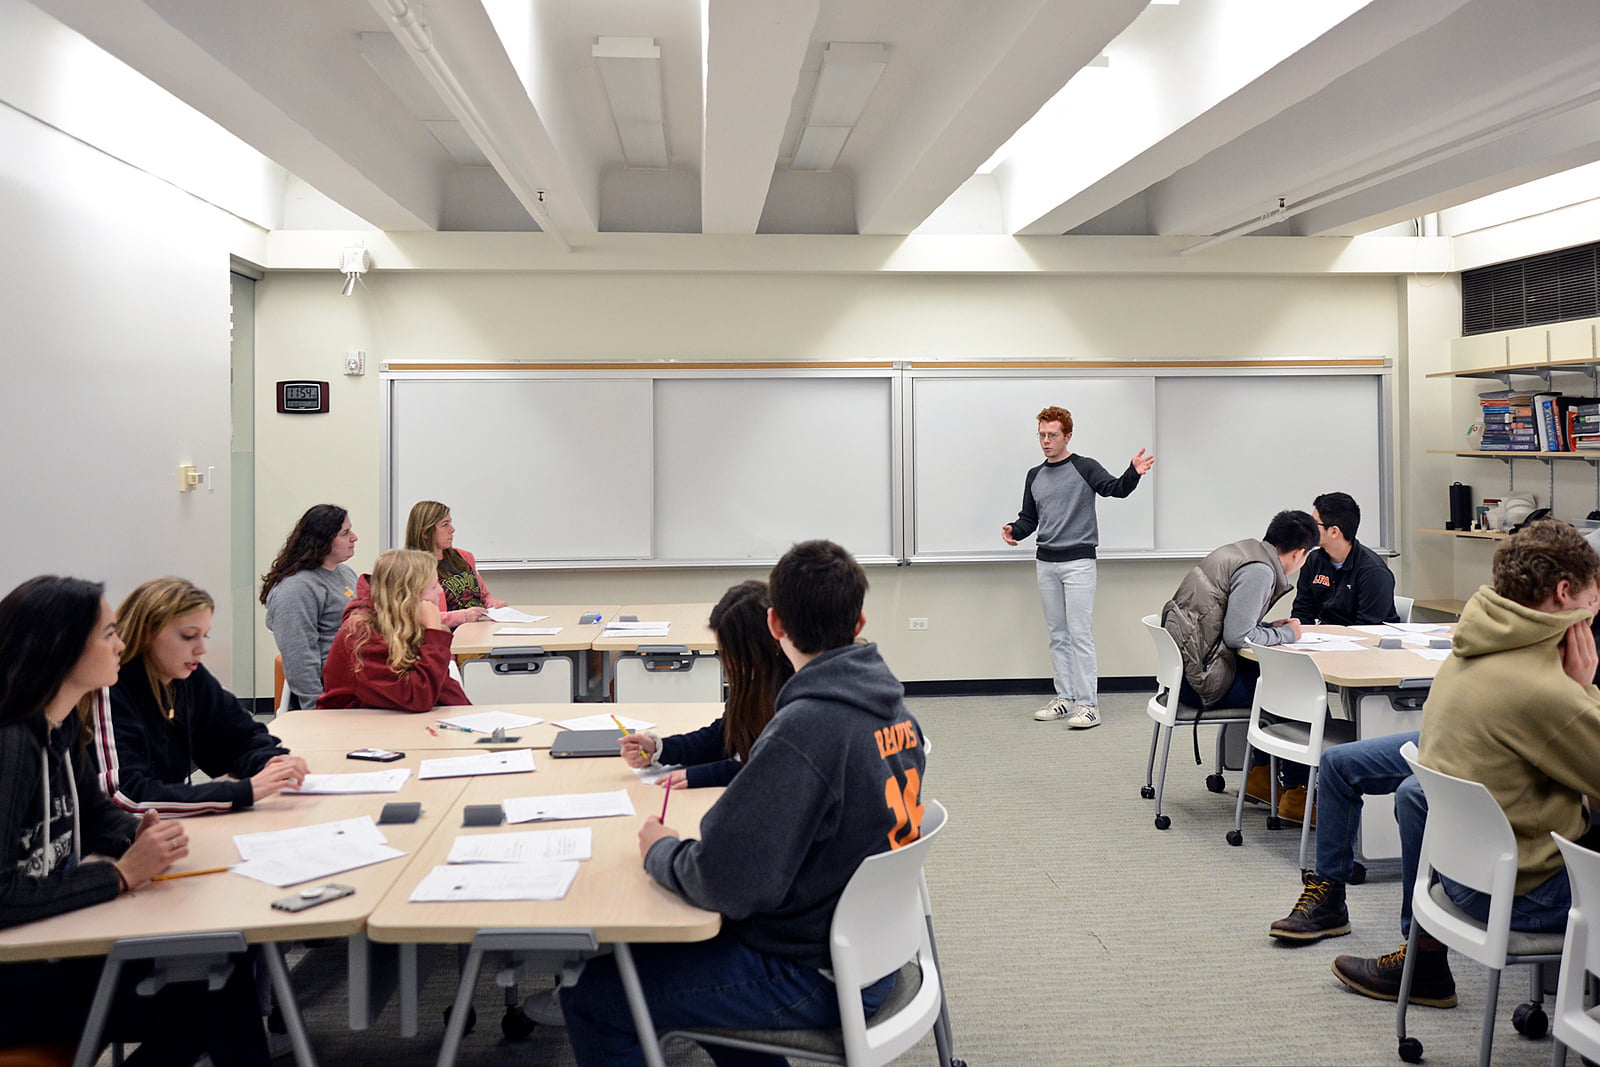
(1532, 370)
(1588, 455)
(1481, 535)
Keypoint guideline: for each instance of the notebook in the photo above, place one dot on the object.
(573, 743)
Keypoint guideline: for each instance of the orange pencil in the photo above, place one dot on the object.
(189, 874)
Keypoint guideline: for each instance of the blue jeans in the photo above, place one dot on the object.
(1066, 591)
(716, 983)
(1371, 766)
(1541, 910)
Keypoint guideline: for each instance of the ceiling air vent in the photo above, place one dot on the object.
(1553, 287)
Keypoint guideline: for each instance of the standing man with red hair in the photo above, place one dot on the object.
(1058, 503)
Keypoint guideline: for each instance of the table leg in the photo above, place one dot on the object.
(288, 1005)
(639, 1006)
(99, 1011)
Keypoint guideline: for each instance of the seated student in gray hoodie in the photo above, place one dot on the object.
(778, 847)
(306, 591)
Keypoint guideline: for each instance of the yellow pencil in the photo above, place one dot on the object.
(621, 727)
(190, 874)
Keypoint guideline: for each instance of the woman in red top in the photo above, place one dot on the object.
(465, 596)
(393, 650)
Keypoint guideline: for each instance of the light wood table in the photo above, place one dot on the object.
(350, 728)
(180, 911)
(690, 642)
(612, 900)
(477, 640)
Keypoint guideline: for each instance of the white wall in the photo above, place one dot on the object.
(114, 354)
(984, 619)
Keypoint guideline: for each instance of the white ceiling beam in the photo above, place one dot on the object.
(995, 71)
(339, 130)
(1221, 72)
(754, 52)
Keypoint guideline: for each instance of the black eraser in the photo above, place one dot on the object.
(482, 815)
(400, 811)
(628, 618)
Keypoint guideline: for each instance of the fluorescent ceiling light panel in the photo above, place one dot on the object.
(849, 74)
(631, 70)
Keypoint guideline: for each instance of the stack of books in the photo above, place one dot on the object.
(1508, 422)
(1583, 424)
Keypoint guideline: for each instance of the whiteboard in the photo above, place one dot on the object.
(531, 469)
(1231, 452)
(975, 438)
(746, 467)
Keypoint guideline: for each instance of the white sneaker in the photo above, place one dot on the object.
(1056, 709)
(545, 1008)
(1083, 716)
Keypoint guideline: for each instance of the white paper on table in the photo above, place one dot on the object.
(653, 773)
(1390, 629)
(524, 631)
(505, 761)
(530, 846)
(604, 722)
(388, 781)
(485, 722)
(311, 862)
(1432, 653)
(635, 629)
(512, 615)
(345, 833)
(496, 881)
(567, 806)
(1309, 638)
(1324, 645)
(635, 624)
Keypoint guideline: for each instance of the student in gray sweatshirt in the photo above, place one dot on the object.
(305, 592)
(1058, 504)
(834, 778)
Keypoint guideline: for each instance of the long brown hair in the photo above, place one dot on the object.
(307, 546)
(755, 664)
(425, 515)
(146, 611)
(398, 578)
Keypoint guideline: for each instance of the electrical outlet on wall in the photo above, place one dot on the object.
(919, 624)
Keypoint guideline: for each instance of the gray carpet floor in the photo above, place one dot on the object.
(1071, 930)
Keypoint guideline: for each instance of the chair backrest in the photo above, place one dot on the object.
(1469, 841)
(1403, 606)
(1580, 955)
(1291, 687)
(1169, 672)
(879, 925)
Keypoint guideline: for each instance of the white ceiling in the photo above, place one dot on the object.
(1198, 120)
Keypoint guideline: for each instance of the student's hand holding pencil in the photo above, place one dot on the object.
(651, 832)
(156, 846)
(638, 749)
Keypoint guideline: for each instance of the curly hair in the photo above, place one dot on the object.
(1530, 563)
(398, 578)
(1058, 414)
(307, 546)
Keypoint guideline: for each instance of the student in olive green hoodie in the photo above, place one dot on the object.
(1516, 708)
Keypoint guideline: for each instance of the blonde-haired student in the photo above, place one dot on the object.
(393, 649)
(464, 595)
(168, 716)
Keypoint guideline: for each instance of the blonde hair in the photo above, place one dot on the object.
(421, 525)
(398, 578)
(145, 613)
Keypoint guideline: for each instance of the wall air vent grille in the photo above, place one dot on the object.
(1553, 287)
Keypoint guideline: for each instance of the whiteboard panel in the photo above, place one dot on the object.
(1234, 451)
(976, 438)
(746, 467)
(532, 469)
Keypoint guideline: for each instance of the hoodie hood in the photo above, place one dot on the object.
(363, 600)
(854, 675)
(1493, 623)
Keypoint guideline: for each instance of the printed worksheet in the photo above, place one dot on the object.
(506, 761)
(314, 861)
(496, 881)
(485, 722)
(341, 834)
(567, 806)
(604, 722)
(513, 615)
(529, 631)
(531, 846)
(388, 781)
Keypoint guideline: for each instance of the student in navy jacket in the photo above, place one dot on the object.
(64, 846)
(834, 778)
(756, 669)
(168, 716)
(1344, 583)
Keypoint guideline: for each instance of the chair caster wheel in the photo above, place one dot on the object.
(1410, 1050)
(1274, 823)
(1358, 874)
(1235, 838)
(1215, 783)
(472, 1019)
(1162, 822)
(954, 1062)
(515, 1025)
(1148, 792)
(1529, 1020)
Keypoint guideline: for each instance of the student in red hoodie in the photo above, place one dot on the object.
(393, 649)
